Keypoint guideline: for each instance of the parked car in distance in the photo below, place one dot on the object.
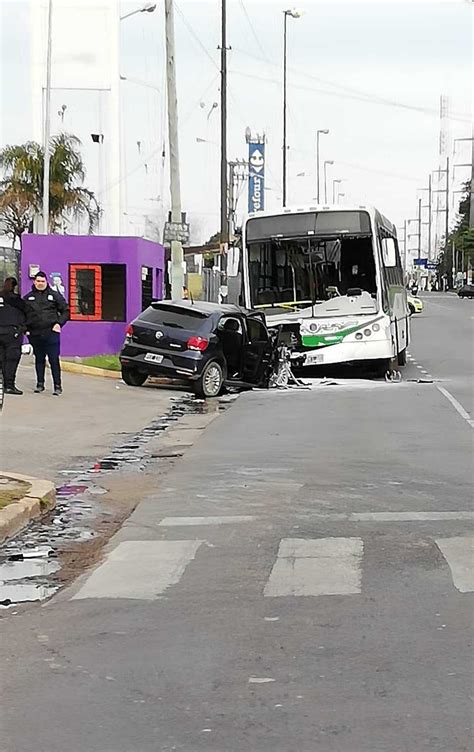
(466, 291)
(209, 344)
(415, 305)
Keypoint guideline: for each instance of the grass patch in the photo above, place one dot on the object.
(108, 362)
(13, 492)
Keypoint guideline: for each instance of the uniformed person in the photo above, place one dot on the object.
(12, 328)
(46, 313)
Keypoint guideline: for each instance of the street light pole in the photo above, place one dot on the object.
(419, 227)
(318, 133)
(326, 163)
(47, 123)
(224, 222)
(285, 15)
(293, 14)
(177, 274)
(147, 8)
(334, 183)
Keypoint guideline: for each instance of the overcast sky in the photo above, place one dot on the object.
(371, 72)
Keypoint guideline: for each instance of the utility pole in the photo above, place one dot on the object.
(405, 247)
(177, 273)
(419, 227)
(447, 203)
(471, 202)
(237, 173)
(285, 16)
(430, 193)
(224, 221)
(47, 123)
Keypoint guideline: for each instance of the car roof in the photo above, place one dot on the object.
(202, 306)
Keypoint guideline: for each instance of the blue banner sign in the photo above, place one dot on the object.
(420, 262)
(256, 177)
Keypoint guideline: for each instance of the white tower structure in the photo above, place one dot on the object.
(85, 62)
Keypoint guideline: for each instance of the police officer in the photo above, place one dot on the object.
(12, 328)
(46, 313)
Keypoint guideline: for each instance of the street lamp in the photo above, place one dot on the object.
(334, 183)
(293, 14)
(140, 82)
(318, 133)
(326, 163)
(146, 8)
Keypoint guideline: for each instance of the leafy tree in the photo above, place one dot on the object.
(21, 189)
(462, 236)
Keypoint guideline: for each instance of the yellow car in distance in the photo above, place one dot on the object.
(415, 305)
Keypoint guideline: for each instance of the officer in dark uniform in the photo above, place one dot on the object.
(12, 328)
(46, 313)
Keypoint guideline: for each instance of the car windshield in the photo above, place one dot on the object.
(174, 317)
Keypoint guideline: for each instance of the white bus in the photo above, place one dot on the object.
(333, 278)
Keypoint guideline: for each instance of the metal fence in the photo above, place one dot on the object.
(211, 282)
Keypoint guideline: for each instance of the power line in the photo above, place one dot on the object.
(195, 36)
(353, 93)
(254, 33)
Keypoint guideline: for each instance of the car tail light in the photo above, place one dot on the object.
(197, 343)
(129, 331)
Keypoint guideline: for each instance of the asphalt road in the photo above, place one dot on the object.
(303, 583)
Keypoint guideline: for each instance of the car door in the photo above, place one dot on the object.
(257, 350)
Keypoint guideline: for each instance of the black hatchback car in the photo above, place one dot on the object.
(466, 291)
(210, 344)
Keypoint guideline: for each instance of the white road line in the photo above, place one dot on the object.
(459, 554)
(457, 405)
(140, 569)
(392, 516)
(313, 567)
(410, 516)
(191, 521)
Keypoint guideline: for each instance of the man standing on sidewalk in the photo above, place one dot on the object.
(12, 329)
(46, 313)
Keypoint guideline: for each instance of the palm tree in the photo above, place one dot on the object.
(21, 189)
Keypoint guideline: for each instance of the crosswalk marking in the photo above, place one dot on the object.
(303, 567)
(312, 567)
(459, 554)
(192, 521)
(140, 569)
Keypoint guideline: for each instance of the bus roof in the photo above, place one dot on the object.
(374, 213)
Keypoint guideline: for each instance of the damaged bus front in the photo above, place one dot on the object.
(332, 280)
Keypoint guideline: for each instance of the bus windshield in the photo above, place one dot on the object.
(303, 270)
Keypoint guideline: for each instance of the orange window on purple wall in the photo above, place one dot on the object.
(85, 292)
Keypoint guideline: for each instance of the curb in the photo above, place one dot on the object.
(66, 365)
(40, 499)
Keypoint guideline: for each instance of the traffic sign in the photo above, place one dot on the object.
(176, 231)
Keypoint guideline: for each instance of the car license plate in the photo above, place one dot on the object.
(152, 358)
(314, 359)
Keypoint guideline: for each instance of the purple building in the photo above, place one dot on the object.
(106, 280)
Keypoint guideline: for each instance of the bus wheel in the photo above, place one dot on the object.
(402, 357)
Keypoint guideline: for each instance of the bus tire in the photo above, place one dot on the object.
(402, 357)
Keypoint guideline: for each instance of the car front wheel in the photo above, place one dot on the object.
(133, 377)
(211, 380)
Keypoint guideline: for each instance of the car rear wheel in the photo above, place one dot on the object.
(133, 377)
(412, 309)
(211, 381)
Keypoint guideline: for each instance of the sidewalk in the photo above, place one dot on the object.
(22, 499)
(41, 434)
